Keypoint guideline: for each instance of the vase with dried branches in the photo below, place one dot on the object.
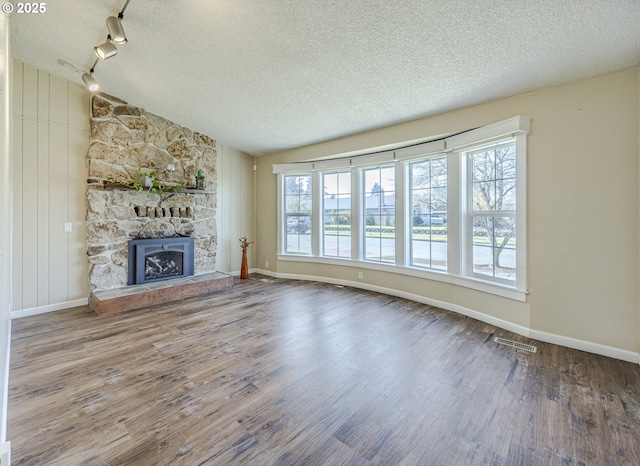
(244, 269)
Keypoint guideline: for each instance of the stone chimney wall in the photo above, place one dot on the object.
(125, 139)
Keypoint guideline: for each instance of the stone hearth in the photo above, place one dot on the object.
(153, 294)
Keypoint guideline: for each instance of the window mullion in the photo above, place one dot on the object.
(455, 209)
(281, 248)
(402, 236)
(521, 208)
(316, 213)
(493, 213)
(356, 214)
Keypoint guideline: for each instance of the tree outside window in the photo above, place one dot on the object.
(493, 199)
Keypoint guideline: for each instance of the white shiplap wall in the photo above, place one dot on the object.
(236, 207)
(50, 141)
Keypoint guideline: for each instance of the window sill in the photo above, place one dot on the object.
(466, 282)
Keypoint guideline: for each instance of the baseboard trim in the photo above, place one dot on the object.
(5, 454)
(589, 347)
(33, 311)
(568, 342)
(5, 447)
(269, 273)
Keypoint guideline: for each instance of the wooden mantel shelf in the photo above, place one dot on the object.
(166, 189)
(139, 296)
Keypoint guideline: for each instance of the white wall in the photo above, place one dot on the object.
(50, 141)
(583, 211)
(5, 228)
(235, 215)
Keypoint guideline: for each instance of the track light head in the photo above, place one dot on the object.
(106, 50)
(90, 82)
(116, 31)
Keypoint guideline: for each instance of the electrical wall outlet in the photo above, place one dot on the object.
(67, 227)
(266, 264)
(360, 275)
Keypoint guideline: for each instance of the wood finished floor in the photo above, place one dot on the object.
(292, 373)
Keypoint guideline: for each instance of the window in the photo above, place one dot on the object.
(428, 229)
(379, 214)
(451, 210)
(492, 211)
(297, 201)
(336, 214)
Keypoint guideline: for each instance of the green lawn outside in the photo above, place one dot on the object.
(433, 233)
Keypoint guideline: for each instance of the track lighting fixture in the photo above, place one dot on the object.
(87, 78)
(106, 50)
(103, 51)
(90, 82)
(116, 31)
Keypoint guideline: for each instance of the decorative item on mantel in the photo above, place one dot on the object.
(244, 269)
(146, 181)
(200, 180)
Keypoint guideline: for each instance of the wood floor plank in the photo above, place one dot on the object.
(284, 372)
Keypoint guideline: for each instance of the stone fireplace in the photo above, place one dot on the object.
(125, 141)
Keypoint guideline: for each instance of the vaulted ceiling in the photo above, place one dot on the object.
(269, 75)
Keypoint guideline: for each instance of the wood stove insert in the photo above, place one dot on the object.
(156, 259)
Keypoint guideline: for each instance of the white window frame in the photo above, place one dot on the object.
(459, 237)
(409, 214)
(362, 214)
(322, 174)
(282, 215)
(470, 213)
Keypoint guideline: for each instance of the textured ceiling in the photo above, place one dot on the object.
(268, 75)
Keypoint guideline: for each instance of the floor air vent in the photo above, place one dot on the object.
(515, 344)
